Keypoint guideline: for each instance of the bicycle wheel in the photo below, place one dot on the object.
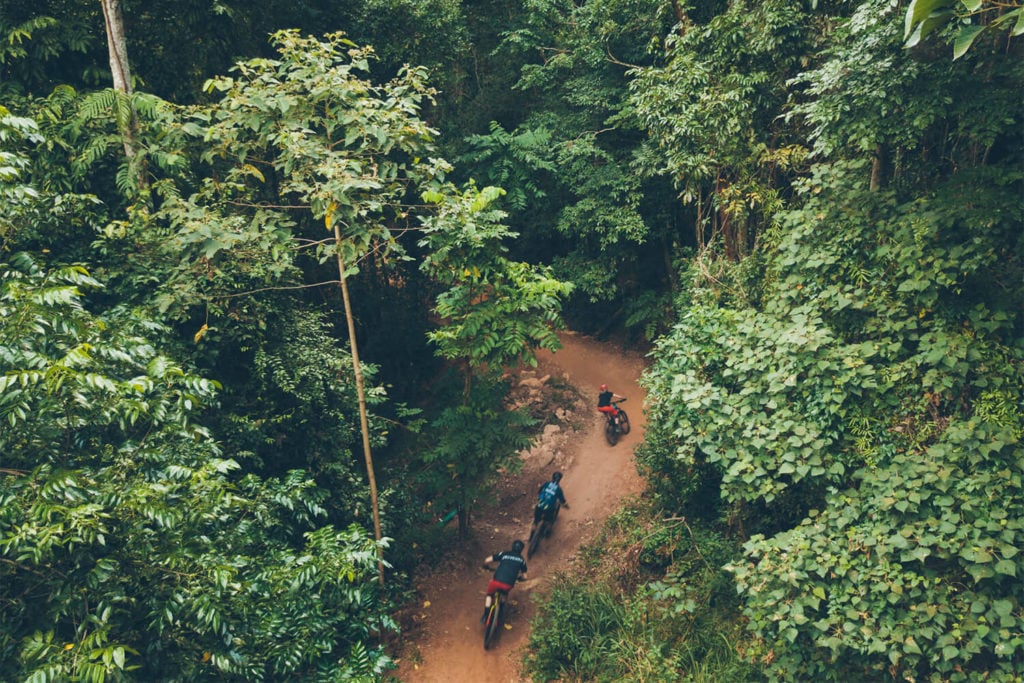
(623, 421)
(493, 619)
(534, 542)
(611, 434)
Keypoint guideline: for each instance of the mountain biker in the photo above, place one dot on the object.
(511, 567)
(606, 402)
(549, 497)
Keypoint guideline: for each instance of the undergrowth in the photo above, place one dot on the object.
(647, 601)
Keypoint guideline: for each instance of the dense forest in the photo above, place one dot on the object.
(262, 266)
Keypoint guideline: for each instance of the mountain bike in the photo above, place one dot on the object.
(541, 530)
(617, 425)
(493, 621)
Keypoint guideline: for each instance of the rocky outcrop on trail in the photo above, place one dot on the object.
(560, 411)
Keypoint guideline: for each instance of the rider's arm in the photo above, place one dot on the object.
(618, 397)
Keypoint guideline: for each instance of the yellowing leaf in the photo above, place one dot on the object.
(200, 334)
(69, 646)
(426, 603)
(331, 208)
(206, 656)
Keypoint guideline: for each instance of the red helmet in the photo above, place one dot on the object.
(604, 387)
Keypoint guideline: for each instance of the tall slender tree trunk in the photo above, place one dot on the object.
(117, 48)
(117, 45)
(364, 424)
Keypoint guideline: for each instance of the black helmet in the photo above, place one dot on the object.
(517, 546)
(556, 477)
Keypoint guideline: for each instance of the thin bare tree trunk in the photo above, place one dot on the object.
(117, 45)
(120, 70)
(364, 424)
(117, 48)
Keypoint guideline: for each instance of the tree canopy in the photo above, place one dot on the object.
(809, 214)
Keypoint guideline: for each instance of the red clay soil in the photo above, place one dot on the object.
(442, 639)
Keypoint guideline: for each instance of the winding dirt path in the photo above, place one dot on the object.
(446, 645)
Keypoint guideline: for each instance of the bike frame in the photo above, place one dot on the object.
(493, 620)
(539, 530)
(613, 423)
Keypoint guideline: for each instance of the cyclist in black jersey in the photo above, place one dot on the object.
(511, 568)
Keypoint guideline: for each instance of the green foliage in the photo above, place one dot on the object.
(712, 115)
(851, 393)
(289, 403)
(921, 551)
(859, 397)
(680, 627)
(884, 371)
(496, 311)
(513, 162)
(15, 194)
(472, 442)
(292, 141)
(128, 552)
(62, 41)
(590, 216)
(871, 96)
(974, 17)
(33, 40)
(577, 633)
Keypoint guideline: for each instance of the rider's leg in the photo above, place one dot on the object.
(550, 517)
(491, 588)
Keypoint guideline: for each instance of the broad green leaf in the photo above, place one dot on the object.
(918, 11)
(1018, 28)
(964, 39)
(1007, 567)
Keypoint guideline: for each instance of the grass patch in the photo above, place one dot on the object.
(646, 602)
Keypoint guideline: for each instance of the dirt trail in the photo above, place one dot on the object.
(446, 645)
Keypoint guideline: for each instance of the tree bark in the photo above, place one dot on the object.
(680, 18)
(120, 71)
(117, 46)
(364, 424)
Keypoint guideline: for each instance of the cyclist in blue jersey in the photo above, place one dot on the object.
(549, 498)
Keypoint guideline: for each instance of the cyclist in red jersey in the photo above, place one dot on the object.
(605, 399)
